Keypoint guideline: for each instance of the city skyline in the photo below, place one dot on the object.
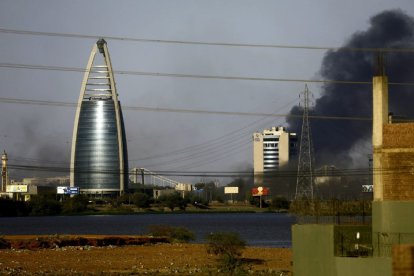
(34, 134)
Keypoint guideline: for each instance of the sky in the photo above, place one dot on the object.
(169, 141)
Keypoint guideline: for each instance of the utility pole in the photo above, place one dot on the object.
(305, 177)
(135, 175)
(143, 177)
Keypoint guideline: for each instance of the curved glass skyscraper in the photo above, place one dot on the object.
(99, 161)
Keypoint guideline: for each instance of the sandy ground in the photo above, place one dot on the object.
(155, 259)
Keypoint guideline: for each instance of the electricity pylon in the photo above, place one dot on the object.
(305, 177)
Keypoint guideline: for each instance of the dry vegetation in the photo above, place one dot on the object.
(148, 259)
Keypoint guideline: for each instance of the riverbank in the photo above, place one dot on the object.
(149, 259)
(239, 207)
(36, 242)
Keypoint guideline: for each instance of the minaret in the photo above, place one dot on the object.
(4, 172)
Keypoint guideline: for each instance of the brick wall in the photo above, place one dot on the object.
(403, 260)
(397, 158)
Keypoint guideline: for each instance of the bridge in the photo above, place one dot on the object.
(147, 177)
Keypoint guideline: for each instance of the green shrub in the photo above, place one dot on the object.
(174, 234)
(141, 200)
(75, 204)
(225, 244)
(279, 202)
(173, 201)
(228, 246)
(197, 200)
(13, 208)
(44, 205)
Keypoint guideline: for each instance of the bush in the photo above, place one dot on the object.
(255, 200)
(4, 244)
(13, 208)
(198, 201)
(228, 246)
(174, 234)
(225, 244)
(76, 204)
(173, 201)
(279, 202)
(43, 205)
(123, 199)
(141, 200)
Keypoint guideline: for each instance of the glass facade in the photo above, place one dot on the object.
(97, 164)
(97, 161)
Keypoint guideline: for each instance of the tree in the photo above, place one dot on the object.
(75, 204)
(124, 199)
(255, 200)
(141, 200)
(173, 200)
(279, 202)
(196, 200)
(12, 208)
(208, 191)
(44, 205)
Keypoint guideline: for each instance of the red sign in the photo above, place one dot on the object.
(259, 191)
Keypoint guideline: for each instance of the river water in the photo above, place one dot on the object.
(257, 229)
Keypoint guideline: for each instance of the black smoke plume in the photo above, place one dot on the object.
(334, 140)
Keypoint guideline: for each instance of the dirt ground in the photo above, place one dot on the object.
(153, 259)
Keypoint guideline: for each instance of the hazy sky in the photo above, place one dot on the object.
(35, 134)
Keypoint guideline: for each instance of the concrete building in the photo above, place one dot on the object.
(99, 162)
(23, 190)
(272, 149)
(382, 248)
(47, 181)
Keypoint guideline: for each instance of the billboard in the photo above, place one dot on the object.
(67, 190)
(16, 188)
(184, 187)
(231, 190)
(260, 191)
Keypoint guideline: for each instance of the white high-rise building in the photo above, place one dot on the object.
(272, 149)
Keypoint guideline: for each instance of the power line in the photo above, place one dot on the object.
(233, 133)
(180, 110)
(219, 142)
(194, 76)
(228, 149)
(187, 154)
(205, 43)
(288, 173)
(220, 156)
(209, 155)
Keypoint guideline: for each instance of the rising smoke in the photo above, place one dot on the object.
(334, 140)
